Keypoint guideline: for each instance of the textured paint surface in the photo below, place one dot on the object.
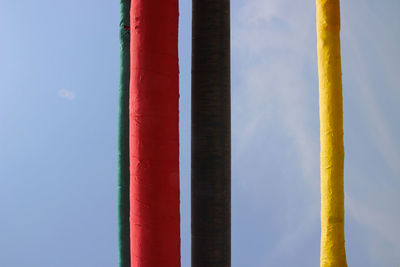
(211, 134)
(331, 133)
(154, 139)
(123, 139)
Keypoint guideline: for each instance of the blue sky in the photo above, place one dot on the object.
(59, 69)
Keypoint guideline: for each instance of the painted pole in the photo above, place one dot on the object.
(123, 139)
(211, 134)
(331, 133)
(154, 134)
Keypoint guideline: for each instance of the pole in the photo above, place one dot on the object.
(211, 134)
(154, 134)
(123, 139)
(331, 133)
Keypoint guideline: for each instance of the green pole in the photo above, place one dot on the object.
(123, 138)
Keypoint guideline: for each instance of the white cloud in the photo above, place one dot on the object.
(67, 94)
(362, 75)
(372, 199)
(274, 42)
(273, 46)
(383, 223)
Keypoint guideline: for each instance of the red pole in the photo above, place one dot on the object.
(154, 134)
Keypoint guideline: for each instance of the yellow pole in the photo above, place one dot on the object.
(333, 252)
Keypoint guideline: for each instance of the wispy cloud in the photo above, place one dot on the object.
(383, 224)
(371, 199)
(274, 42)
(362, 75)
(67, 94)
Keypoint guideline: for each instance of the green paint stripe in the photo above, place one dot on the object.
(123, 139)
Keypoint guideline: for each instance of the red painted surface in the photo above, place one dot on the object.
(154, 134)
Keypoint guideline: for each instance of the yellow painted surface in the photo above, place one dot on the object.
(331, 133)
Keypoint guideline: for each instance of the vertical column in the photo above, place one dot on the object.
(211, 134)
(331, 133)
(123, 139)
(154, 139)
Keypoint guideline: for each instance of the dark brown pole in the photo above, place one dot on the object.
(211, 134)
